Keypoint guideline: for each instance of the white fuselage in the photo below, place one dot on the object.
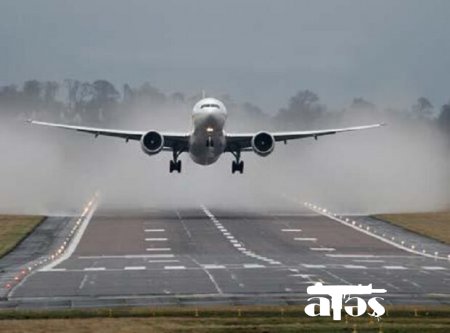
(207, 141)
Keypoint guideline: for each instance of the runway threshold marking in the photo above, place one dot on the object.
(313, 266)
(212, 266)
(174, 267)
(253, 266)
(355, 267)
(135, 268)
(434, 268)
(158, 249)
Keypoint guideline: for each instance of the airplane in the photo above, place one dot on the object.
(207, 140)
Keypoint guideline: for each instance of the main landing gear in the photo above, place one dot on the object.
(237, 165)
(175, 165)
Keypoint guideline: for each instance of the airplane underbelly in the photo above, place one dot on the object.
(205, 149)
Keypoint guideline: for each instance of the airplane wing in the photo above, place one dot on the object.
(180, 140)
(243, 141)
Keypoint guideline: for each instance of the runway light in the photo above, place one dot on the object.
(367, 228)
(403, 242)
(436, 253)
(353, 222)
(346, 220)
(393, 238)
(413, 247)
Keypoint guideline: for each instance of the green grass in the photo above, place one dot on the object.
(433, 225)
(14, 229)
(219, 319)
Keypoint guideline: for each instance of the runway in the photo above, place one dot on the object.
(213, 256)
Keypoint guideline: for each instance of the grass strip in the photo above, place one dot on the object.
(14, 229)
(433, 225)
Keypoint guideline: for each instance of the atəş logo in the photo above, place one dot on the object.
(340, 296)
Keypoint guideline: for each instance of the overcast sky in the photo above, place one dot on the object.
(389, 52)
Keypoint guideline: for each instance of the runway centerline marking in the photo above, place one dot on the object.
(174, 267)
(306, 239)
(156, 239)
(434, 268)
(291, 230)
(163, 261)
(94, 269)
(158, 249)
(154, 230)
(394, 267)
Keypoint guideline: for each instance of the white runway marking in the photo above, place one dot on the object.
(212, 266)
(174, 267)
(313, 266)
(154, 230)
(307, 239)
(291, 230)
(355, 267)
(162, 261)
(326, 249)
(433, 268)
(83, 282)
(94, 269)
(135, 268)
(57, 270)
(84, 219)
(367, 260)
(160, 256)
(158, 249)
(253, 266)
(394, 267)
(127, 256)
(155, 239)
(352, 255)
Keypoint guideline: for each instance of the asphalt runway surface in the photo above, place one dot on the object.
(211, 256)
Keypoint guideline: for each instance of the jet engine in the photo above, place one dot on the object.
(152, 142)
(263, 143)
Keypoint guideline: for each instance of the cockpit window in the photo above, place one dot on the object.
(209, 106)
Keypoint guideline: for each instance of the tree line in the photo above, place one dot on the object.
(100, 102)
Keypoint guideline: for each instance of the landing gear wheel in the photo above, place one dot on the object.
(241, 167)
(237, 166)
(175, 166)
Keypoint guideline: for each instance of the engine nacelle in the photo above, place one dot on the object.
(263, 143)
(152, 142)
